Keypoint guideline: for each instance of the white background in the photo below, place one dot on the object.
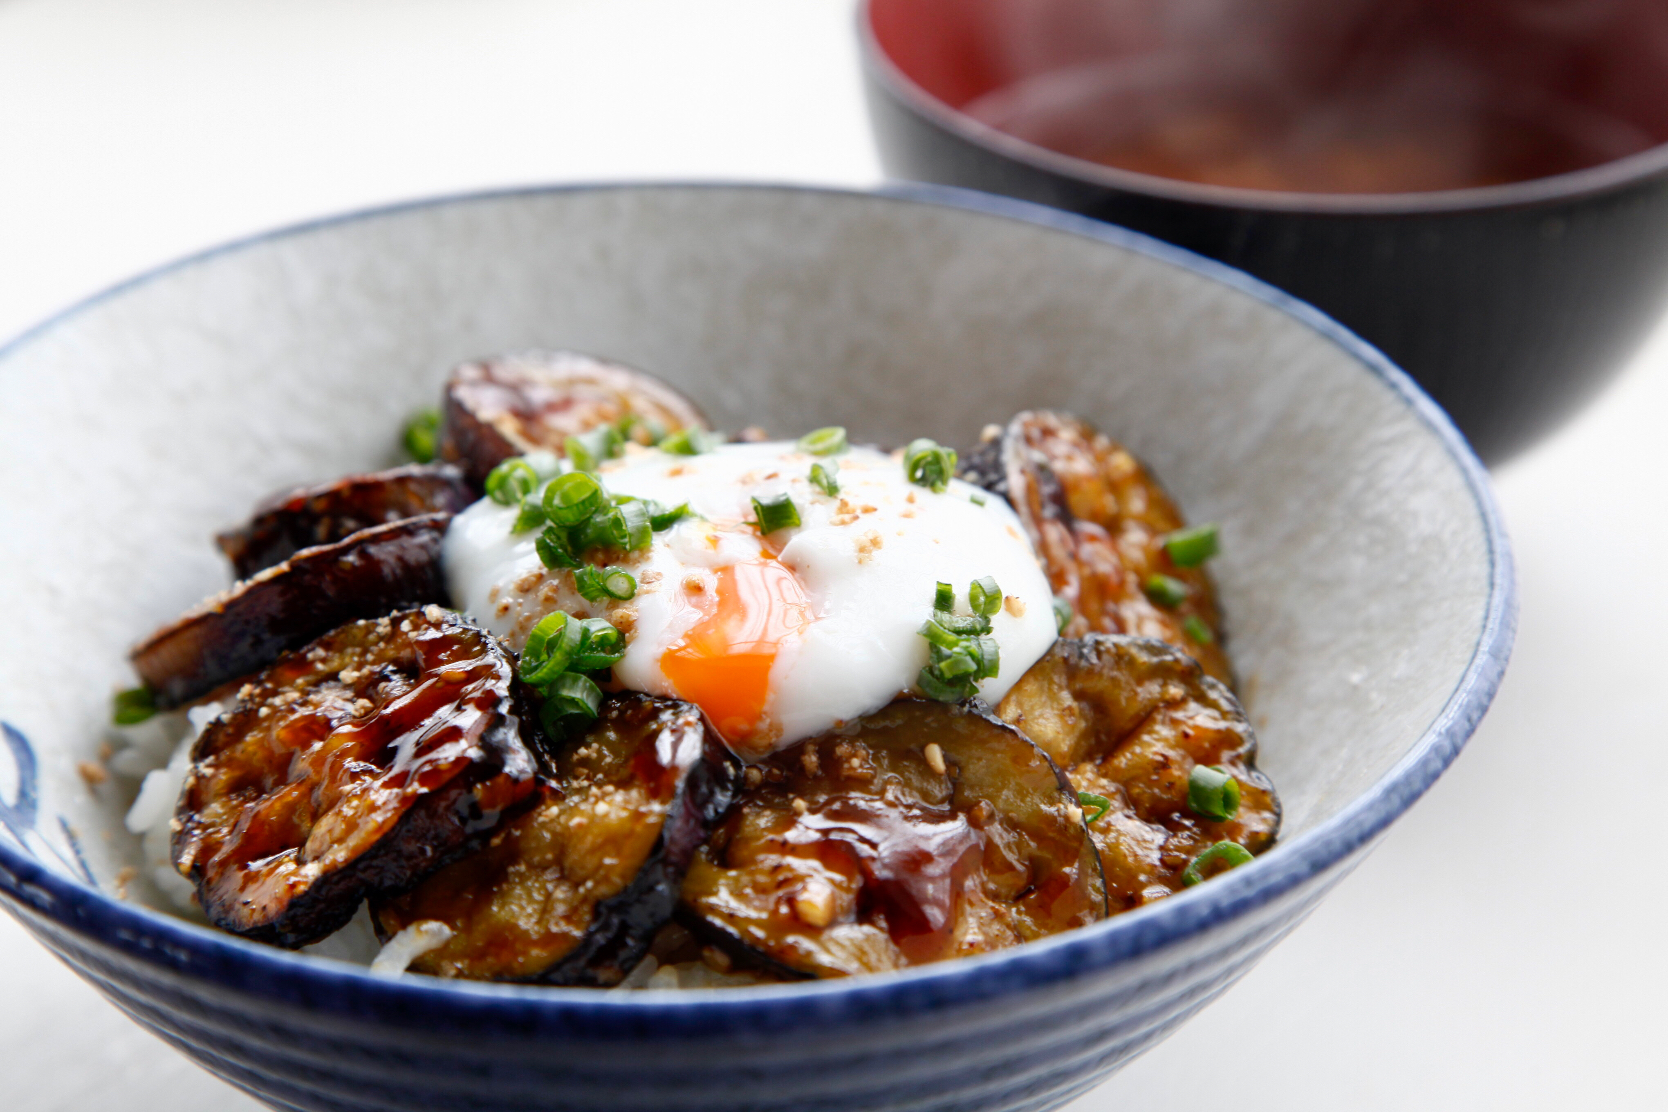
(1503, 950)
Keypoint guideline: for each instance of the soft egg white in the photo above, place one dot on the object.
(780, 637)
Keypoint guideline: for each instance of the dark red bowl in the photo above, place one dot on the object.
(1512, 304)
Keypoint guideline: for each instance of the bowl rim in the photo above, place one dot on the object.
(148, 937)
(1606, 177)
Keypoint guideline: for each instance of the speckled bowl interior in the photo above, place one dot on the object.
(1364, 574)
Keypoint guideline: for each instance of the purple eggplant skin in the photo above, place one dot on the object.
(245, 628)
(509, 405)
(574, 891)
(356, 765)
(295, 519)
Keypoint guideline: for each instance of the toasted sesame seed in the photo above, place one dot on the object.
(935, 758)
(1014, 605)
(814, 903)
(92, 772)
(800, 806)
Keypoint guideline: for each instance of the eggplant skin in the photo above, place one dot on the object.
(357, 765)
(864, 850)
(1128, 719)
(574, 891)
(288, 522)
(513, 404)
(1097, 519)
(244, 629)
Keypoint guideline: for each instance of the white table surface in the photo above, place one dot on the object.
(1504, 949)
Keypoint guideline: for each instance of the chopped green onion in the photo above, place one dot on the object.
(511, 481)
(545, 464)
(1230, 855)
(928, 463)
(934, 688)
(597, 583)
(629, 425)
(660, 518)
(830, 441)
(573, 693)
(976, 498)
(572, 498)
(550, 649)
(778, 513)
(1165, 591)
(529, 517)
(588, 450)
(1100, 803)
(944, 597)
(555, 549)
(1188, 548)
(601, 646)
(133, 706)
(422, 435)
(1062, 615)
(985, 597)
(1195, 628)
(639, 529)
(689, 442)
(990, 657)
(1212, 792)
(822, 477)
(938, 635)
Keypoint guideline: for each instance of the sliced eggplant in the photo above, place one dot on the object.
(244, 629)
(1098, 520)
(514, 404)
(923, 832)
(357, 765)
(574, 891)
(297, 519)
(1129, 719)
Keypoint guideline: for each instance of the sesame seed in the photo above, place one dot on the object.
(935, 758)
(800, 807)
(1014, 605)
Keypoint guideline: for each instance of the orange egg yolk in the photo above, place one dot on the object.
(723, 663)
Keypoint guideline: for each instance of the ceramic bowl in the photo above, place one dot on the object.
(1366, 576)
(1511, 304)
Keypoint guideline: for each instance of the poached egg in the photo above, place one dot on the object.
(782, 636)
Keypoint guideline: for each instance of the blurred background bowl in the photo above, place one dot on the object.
(1365, 572)
(1479, 189)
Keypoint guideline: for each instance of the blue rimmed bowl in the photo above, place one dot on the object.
(1366, 575)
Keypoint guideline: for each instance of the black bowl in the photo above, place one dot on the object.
(1512, 304)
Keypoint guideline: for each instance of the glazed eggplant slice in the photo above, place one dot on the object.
(923, 832)
(245, 628)
(357, 765)
(574, 891)
(286, 523)
(1129, 720)
(1097, 519)
(514, 404)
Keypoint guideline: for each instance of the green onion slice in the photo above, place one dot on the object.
(830, 441)
(1188, 548)
(929, 464)
(1062, 615)
(573, 693)
(1165, 591)
(661, 519)
(689, 442)
(422, 435)
(639, 528)
(944, 597)
(1212, 792)
(778, 513)
(1100, 803)
(823, 477)
(1196, 629)
(511, 481)
(572, 498)
(589, 450)
(944, 692)
(1229, 855)
(598, 583)
(133, 706)
(555, 548)
(984, 596)
(976, 498)
(530, 516)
